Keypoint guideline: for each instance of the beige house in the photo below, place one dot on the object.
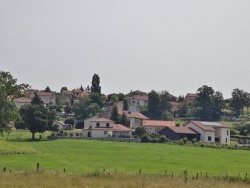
(47, 97)
(211, 132)
(105, 128)
(155, 126)
(22, 101)
(135, 118)
(141, 100)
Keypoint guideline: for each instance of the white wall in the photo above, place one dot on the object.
(87, 122)
(224, 134)
(102, 124)
(197, 129)
(211, 134)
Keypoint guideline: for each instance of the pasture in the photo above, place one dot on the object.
(86, 156)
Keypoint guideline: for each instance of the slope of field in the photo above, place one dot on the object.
(83, 156)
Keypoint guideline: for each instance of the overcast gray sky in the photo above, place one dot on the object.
(173, 45)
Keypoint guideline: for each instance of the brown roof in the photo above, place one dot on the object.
(117, 127)
(35, 90)
(158, 123)
(141, 97)
(183, 130)
(42, 93)
(202, 126)
(77, 90)
(129, 114)
(22, 100)
(67, 92)
(102, 120)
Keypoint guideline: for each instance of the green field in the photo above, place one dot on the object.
(83, 156)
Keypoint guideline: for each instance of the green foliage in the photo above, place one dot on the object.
(145, 138)
(97, 98)
(182, 111)
(84, 108)
(162, 139)
(70, 120)
(125, 104)
(153, 104)
(9, 89)
(139, 131)
(62, 99)
(114, 99)
(123, 119)
(47, 89)
(167, 115)
(96, 88)
(36, 100)
(64, 89)
(240, 98)
(114, 114)
(209, 103)
(37, 118)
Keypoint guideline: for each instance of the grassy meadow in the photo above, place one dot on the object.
(86, 156)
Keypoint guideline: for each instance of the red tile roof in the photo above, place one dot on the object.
(183, 130)
(129, 114)
(42, 93)
(141, 97)
(22, 100)
(119, 127)
(158, 123)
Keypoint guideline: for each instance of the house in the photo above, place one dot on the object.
(136, 118)
(22, 101)
(105, 128)
(174, 106)
(131, 107)
(141, 100)
(155, 126)
(177, 133)
(30, 93)
(211, 132)
(190, 98)
(47, 97)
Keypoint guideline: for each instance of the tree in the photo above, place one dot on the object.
(47, 89)
(153, 104)
(124, 120)
(239, 100)
(114, 114)
(139, 131)
(9, 90)
(64, 89)
(209, 103)
(84, 108)
(81, 88)
(97, 98)
(183, 107)
(180, 98)
(87, 89)
(68, 109)
(164, 102)
(125, 104)
(36, 100)
(96, 88)
(167, 115)
(37, 118)
(114, 98)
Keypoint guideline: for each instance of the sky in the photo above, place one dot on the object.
(173, 45)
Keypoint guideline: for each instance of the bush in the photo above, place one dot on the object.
(185, 140)
(154, 140)
(145, 138)
(162, 139)
(194, 140)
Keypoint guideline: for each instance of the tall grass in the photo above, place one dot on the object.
(106, 180)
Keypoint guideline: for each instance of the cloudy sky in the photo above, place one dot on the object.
(173, 45)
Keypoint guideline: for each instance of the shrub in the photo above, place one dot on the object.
(194, 140)
(145, 138)
(154, 140)
(162, 139)
(185, 140)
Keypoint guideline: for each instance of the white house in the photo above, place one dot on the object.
(155, 126)
(47, 97)
(211, 132)
(141, 100)
(30, 93)
(103, 128)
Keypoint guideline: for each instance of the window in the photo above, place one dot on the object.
(209, 138)
(97, 124)
(107, 124)
(226, 140)
(105, 132)
(227, 132)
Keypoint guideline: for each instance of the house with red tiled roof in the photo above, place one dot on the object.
(135, 118)
(47, 97)
(190, 98)
(104, 128)
(211, 132)
(155, 126)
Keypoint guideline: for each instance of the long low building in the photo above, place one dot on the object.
(156, 126)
